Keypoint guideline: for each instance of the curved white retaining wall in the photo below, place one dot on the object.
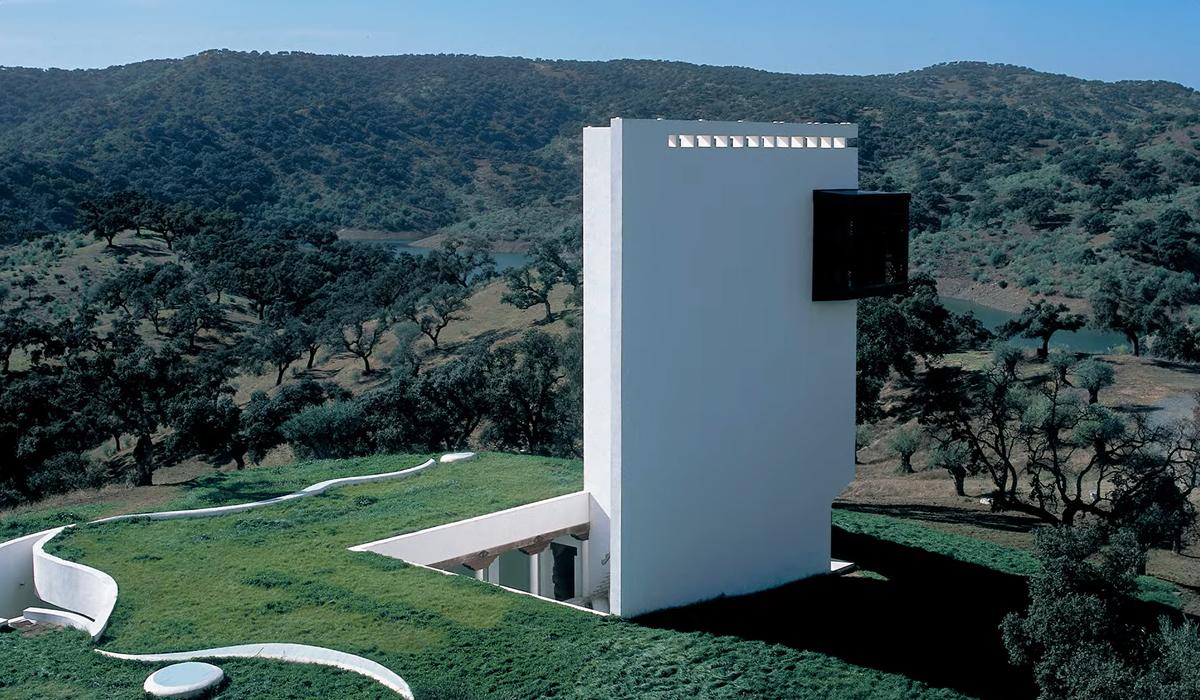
(73, 587)
(29, 576)
(320, 487)
(292, 653)
(17, 591)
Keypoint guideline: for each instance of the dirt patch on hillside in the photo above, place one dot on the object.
(363, 234)
(1010, 298)
(437, 239)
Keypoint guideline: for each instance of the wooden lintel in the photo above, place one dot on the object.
(536, 548)
(477, 561)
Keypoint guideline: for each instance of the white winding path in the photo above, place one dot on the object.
(320, 487)
(292, 653)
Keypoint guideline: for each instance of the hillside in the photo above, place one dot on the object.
(1018, 176)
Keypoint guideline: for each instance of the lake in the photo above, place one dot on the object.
(1085, 340)
(504, 261)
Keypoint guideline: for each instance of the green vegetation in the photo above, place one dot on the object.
(1042, 320)
(962, 548)
(1018, 177)
(284, 573)
(1083, 635)
(895, 331)
(154, 353)
(63, 665)
(973, 551)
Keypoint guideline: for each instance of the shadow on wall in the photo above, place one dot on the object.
(935, 619)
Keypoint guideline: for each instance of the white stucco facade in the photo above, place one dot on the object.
(719, 398)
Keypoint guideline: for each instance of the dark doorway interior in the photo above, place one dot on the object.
(564, 571)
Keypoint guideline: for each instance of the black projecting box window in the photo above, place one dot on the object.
(860, 244)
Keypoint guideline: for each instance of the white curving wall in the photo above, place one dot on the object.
(30, 577)
(17, 591)
(291, 653)
(74, 587)
(313, 490)
(719, 398)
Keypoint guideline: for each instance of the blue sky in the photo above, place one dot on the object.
(1149, 39)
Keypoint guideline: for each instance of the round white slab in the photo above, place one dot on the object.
(186, 680)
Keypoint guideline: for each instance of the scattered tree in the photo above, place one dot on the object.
(905, 442)
(529, 286)
(1042, 319)
(435, 310)
(1093, 375)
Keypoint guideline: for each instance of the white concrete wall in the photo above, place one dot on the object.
(601, 345)
(17, 591)
(729, 405)
(486, 532)
(73, 587)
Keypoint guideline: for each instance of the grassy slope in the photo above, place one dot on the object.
(284, 574)
(987, 554)
(63, 665)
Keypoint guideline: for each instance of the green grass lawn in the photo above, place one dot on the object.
(283, 574)
(968, 549)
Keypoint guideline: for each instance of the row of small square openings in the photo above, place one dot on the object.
(704, 141)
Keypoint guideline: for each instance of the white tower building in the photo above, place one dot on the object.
(719, 397)
(719, 369)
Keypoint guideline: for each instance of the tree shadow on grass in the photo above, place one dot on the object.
(935, 619)
(215, 490)
(1176, 366)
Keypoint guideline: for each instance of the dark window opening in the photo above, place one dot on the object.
(860, 244)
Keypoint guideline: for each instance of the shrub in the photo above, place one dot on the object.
(66, 472)
(334, 430)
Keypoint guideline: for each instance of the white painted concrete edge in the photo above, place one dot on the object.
(291, 653)
(485, 532)
(59, 618)
(73, 587)
(320, 487)
(457, 457)
(838, 567)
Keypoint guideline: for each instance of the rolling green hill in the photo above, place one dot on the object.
(1018, 176)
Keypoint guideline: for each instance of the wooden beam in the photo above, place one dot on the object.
(531, 545)
(479, 562)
